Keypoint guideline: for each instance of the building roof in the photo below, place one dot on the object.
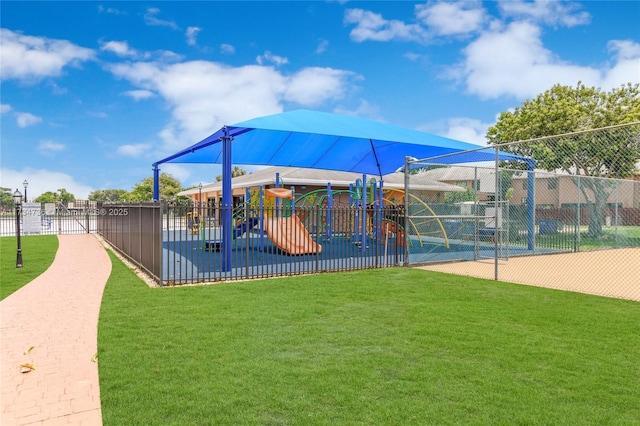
(298, 176)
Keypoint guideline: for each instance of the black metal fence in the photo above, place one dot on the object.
(134, 229)
(184, 243)
(79, 217)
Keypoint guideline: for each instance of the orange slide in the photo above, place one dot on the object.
(290, 235)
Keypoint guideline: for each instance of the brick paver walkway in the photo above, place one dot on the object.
(57, 315)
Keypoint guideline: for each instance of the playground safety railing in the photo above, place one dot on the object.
(184, 243)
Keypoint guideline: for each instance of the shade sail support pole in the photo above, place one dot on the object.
(227, 200)
(363, 222)
(156, 183)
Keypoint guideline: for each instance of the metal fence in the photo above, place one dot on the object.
(182, 243)
(79, 217)
(491, 211)
(498, 210)
(562, 220)
(134, 229)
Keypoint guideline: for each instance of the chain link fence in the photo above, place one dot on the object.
(502, 211)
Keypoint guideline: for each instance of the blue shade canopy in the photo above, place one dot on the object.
(318, 140)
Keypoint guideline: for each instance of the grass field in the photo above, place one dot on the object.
(38, 252)
(393, 346)
(612, 237)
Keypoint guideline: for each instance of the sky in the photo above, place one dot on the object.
(93, 93)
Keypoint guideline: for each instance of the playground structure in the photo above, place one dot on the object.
(364, 212)
(536, 218)
(270, 214)
(378, 212)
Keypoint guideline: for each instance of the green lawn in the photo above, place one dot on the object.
(38, 252)
(394, 346)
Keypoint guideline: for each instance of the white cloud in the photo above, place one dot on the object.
(364, 110)
(151, 19)
(120, 48)
(4, 108)
(455, 18)
(467, 130)
(49, 147)
(32, 58)
(139, 94)
(626, 67)
(270, 57)
(133, 150)
(205, 95)
(98, 114)
(553, 13)
(41, 181)
(412, 56)
(191, 34)
(527, 70)
(322, 46)
(182, 173)
(110, 10)
(25, 119)
(227, 49)
(314, 85)
(372, 26)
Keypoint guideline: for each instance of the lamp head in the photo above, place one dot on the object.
(17, 197)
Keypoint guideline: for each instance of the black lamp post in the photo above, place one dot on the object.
(17, 198)
(25, 184)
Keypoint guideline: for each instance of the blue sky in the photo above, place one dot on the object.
(92, 93)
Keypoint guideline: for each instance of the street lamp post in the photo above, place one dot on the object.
(25, 184)
(17, 198)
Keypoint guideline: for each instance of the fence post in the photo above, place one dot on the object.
(406, 211)
(496, 206)
(578, 219)
(531, 206)
(86, 216)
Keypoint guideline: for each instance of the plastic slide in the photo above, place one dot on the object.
(290, 235)
(241, 229)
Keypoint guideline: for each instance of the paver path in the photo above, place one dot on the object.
(57, 314)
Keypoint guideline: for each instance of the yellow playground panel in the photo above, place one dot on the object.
(423, 221)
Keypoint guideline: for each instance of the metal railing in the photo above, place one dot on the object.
(134, 229)
(51, 219)
(182, 243)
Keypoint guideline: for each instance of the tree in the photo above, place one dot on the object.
(143, 190)
(458, 197)
(111, 195)
(61, 196)
(6, 199)
(47, 197)
(65, 197)
(237, 171)
(563, 110)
